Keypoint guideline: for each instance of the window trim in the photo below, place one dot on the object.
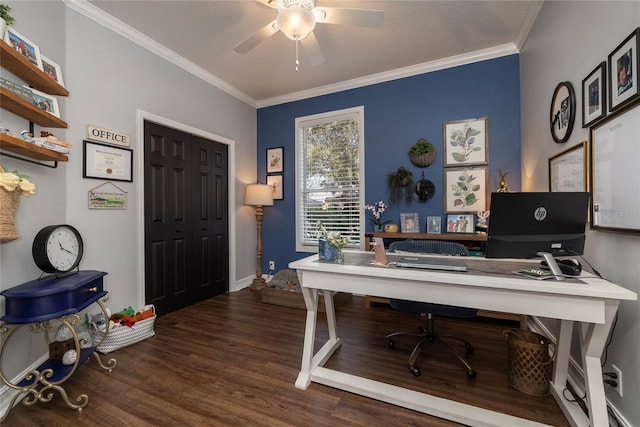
(306, 121)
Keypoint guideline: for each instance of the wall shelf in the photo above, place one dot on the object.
(23, 148)
(11, 60)
(23, 108)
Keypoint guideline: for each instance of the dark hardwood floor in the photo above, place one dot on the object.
(232, 361)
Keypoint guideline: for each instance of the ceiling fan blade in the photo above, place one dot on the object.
(269, 3)
(257, 38)
(343, 16)
(312, 49)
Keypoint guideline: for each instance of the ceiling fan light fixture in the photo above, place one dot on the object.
(295, 21)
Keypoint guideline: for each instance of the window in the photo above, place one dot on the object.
(329, 176)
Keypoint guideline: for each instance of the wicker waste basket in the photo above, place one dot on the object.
(530, 365)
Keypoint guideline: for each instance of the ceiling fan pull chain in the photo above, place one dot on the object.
(297, 61)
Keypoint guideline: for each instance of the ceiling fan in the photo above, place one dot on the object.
(296, 19)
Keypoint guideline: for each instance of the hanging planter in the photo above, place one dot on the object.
(400, 185)
(422, 153)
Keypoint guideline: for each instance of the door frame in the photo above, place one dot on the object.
(141, 117)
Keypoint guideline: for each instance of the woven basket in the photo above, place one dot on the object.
(121, 336)
(8, 205)
(530, 365)
(423, 160)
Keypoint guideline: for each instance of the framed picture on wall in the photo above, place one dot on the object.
(276, 182)
(594, 96)
(275, 160)
(103, 161)
(465, 190)
(466, 142)
(623, 72)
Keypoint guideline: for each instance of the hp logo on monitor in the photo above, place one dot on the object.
(540, 214)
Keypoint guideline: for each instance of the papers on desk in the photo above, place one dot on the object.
(536, 273)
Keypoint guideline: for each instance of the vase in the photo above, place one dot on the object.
(9, 201)
(326, 252)
(377, 228)
(339, 256)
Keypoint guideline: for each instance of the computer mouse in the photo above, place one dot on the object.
(568, 266)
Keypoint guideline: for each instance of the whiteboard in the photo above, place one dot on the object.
(615, 146)
(567, 170)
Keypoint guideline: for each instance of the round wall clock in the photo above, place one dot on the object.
(563, 112)
(57, 249)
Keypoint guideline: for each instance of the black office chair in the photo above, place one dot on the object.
(427, 334)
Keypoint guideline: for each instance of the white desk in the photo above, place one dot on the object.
(592, 304)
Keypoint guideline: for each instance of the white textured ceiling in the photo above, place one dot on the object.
(414, 34)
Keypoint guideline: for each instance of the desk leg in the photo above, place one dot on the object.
(311, 361)
(311, 301)
(593, 340)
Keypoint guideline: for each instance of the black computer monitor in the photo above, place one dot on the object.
(529, 225)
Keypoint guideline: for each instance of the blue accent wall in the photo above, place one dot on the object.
(396, 115)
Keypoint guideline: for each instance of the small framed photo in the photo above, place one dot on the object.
(101, 161)
(45, 102)
(23, 46)
(275, 160)
(409, 223)
(465, 190)
(276, 182)
(466, 142)
(461, 223)
(594, 96)
(623, 72)
(433, 225)
(52, 70)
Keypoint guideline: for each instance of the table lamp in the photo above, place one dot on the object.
(258, 195)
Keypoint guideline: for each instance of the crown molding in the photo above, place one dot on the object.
(413, 70)
(94, 13)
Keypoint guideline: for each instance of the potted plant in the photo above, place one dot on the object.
(6, 20)
(400, 184)
(12, 186)
(422, 153)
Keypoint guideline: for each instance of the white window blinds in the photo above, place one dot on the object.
(329, 180)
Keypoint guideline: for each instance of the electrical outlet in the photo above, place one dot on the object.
(272, 265)
(617, 370)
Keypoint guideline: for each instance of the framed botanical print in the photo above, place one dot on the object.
(623, 72)
(465, 190)
(594, 96)
(276, 183)
(275, 160)
(466, 142)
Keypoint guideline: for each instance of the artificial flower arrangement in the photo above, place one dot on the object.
(11, 181)
(377, 209)
(333, 238)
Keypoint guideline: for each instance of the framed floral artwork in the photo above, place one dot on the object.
(276, 182)
(465, 190)
(466, 142)
(275, 160)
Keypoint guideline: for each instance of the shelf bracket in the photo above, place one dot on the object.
(53, 166)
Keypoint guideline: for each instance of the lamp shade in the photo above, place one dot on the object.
(258, 195)
(296, 22)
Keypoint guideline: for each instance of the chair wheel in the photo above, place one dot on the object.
(390, 343)
(415, 370)
(471, 373)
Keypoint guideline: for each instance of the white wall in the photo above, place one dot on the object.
(567, 41)
(110, 79)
